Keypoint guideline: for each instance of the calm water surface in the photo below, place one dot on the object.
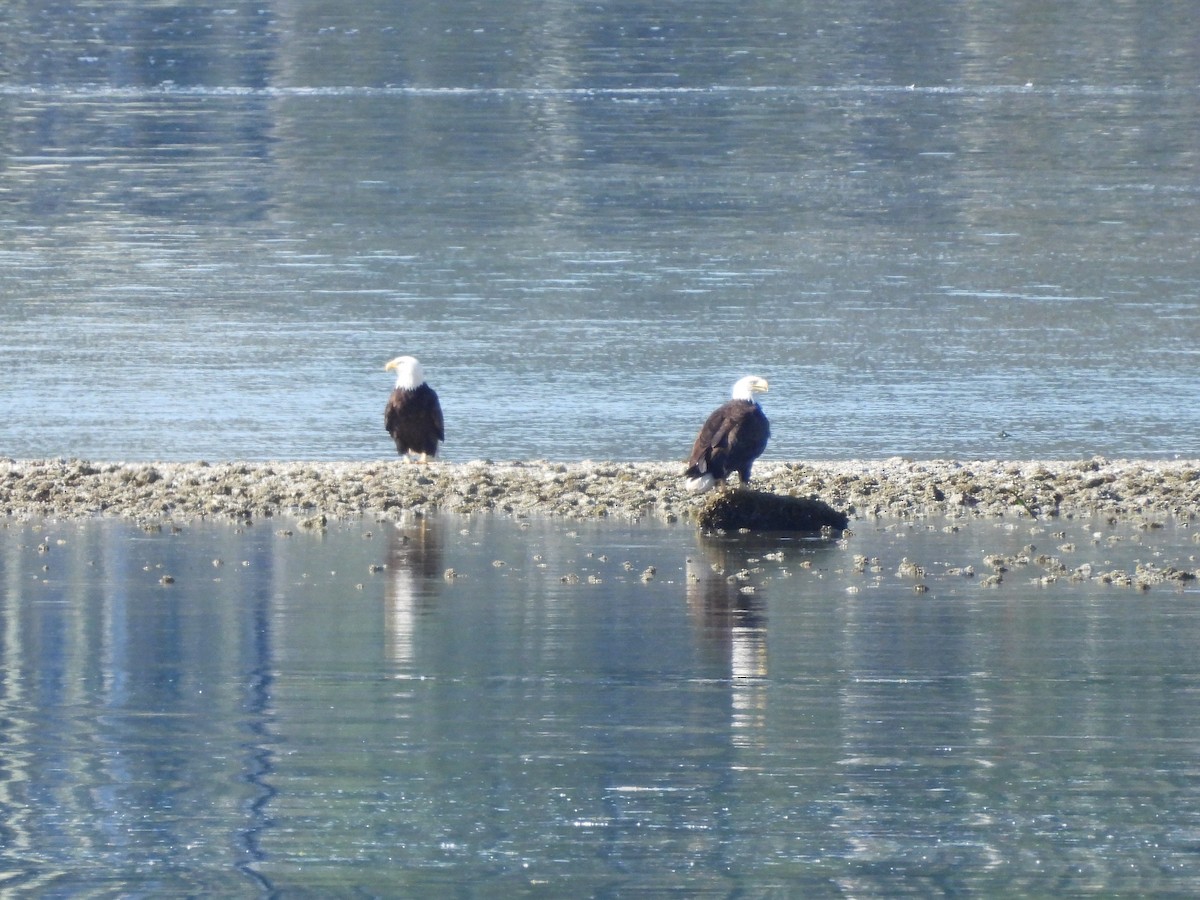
(331, 714)
(927, 225)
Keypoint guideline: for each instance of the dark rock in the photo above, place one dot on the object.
(762, 511)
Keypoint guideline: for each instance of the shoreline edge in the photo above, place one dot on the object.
(310, 491)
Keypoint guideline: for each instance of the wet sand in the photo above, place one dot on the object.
(315, 492)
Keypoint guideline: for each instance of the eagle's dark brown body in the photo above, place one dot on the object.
(413, 417)
(732, 438)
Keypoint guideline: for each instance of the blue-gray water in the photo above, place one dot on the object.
(300, 714)
(927, 224)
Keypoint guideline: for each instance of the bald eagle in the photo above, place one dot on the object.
(413, 415)
(733, 437)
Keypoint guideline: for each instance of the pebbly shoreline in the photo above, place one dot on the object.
(315, 492)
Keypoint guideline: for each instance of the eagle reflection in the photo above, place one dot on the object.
(728, 613)
(414, 568)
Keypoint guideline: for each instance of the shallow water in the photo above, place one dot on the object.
(242, 711)
(939, 230)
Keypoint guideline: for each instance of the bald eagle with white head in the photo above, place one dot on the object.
(733, 437)
(413, 415)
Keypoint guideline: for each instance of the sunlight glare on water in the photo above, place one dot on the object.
(926, 233)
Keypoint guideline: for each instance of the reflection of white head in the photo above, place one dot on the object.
(402, 613)
(409, 373)
(746, 388)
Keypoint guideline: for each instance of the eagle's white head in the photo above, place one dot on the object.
(409, 374)
(746, 388)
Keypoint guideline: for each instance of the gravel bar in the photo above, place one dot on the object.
(315, 492)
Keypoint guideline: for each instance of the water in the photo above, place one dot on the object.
(242, 711)
(938, 230)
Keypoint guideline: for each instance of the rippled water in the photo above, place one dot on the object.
(939, 231)
(211, 709)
